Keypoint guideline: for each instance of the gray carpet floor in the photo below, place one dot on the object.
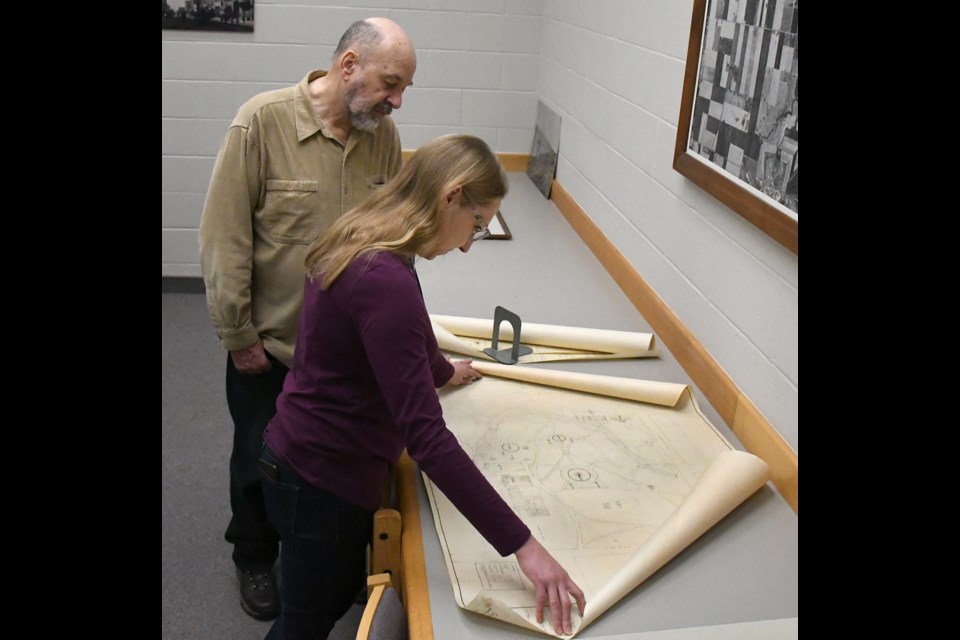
(199, 584)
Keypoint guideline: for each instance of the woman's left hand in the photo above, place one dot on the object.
(552, 584)
(463, 373)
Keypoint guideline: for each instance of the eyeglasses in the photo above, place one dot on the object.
(480, 229)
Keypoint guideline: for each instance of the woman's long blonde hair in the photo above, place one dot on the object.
(403, 215)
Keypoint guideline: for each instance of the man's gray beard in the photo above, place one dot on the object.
(363, 122)
(359, 118)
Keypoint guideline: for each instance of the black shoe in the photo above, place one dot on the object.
(258, 594)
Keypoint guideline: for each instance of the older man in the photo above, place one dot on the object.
(293, 160)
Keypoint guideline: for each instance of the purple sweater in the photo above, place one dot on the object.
(362, 387)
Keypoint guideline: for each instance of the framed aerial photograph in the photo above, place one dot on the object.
(738, 131)
(207, 15)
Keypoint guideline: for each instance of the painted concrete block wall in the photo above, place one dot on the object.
(613, 69)
(477, 71)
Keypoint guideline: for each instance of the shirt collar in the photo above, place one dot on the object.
(307, 121)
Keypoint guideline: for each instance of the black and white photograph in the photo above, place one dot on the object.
(746, 117)
(208, 15)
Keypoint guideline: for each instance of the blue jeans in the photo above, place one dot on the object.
(323, 543)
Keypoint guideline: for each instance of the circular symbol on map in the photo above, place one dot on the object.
(511, 447)
(580, 475)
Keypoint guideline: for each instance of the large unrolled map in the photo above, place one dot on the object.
(470, 336)
(613, 487)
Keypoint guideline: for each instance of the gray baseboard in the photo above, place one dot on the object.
(182, 285)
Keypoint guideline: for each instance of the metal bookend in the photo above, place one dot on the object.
(512, 355)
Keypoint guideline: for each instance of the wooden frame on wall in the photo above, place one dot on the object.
(738, 129)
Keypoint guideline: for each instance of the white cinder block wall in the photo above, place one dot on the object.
(613, 69)
(477, 67)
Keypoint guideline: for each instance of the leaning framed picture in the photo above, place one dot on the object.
(499, 229)
(738, 131)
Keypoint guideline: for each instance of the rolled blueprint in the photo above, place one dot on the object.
(664, 393)
(470, 336)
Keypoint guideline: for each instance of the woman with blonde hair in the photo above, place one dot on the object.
(363, 387)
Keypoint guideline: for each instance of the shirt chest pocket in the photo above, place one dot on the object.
(292, 210)
(376, 181)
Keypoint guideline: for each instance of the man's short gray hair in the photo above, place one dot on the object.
(359, 36)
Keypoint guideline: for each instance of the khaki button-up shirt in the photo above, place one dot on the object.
(281, 178)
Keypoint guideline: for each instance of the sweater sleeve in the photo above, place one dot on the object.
(440, 367)
(397, 336)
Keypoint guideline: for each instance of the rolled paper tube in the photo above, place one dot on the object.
(627, 344)
(449, 342)
(663, 393)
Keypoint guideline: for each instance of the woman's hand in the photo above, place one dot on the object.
(552, 584)
(463, 373)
